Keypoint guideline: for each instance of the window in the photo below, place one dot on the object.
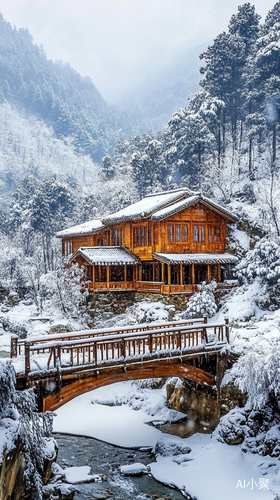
(210, 234)
(100, 274)
(178, 233)
(150, 235)
(202, 233)
(136, 236)
(217, 234)
(140, 236)
(117, 237)
(198, 234)
(170, 233)
(195, 234)
(143, 236)
(68, 248)
(185, 235)
(89, 273)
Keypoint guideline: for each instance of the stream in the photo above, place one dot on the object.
(104, 458)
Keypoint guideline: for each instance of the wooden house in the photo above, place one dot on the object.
(167, 243)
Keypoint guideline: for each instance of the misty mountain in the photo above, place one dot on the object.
(168, 91)
(56, 93)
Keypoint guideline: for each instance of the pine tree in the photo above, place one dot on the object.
(202, 302)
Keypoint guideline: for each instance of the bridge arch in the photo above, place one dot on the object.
(70, 388)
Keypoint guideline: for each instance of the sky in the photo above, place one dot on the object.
(122, 44)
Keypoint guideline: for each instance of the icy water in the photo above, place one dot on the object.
(104, 458)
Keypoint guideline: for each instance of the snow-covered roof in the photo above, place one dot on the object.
(86, 228)
(196, 258)
(103, 256)
(147, 206)
(157, 206)
(187, 202)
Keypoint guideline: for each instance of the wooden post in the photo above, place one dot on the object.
(219, 273)
(125, 276)
(162, 272)
(181, 275)
(94, 348)
(27, 344)
(205, 319)
(169, 278)
(208, 273)
(58, 358)
(108, 277)
(193, 276)
(14, 346)
(150, 344)
(227, 328)
(93, 277)
(140, 273)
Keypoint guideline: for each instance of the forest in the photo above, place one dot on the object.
(225, 143)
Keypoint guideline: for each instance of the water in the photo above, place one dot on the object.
(104, 458)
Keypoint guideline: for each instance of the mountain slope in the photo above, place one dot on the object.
(56, 93)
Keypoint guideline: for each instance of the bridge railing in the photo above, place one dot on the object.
(17, 345)
(126, 348)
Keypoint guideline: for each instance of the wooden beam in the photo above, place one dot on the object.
(208, 273)
(93, 277)
(219, 273)
(81, 386)
(125, 276)
(108, 277)
(181, 275)
(193, 275)
(169, 278)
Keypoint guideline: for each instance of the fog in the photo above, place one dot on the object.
(122, 44)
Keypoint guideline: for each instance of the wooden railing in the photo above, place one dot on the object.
(128, 348)
(149, 285)
(17, 345)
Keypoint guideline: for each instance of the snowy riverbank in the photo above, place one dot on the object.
(211, 471)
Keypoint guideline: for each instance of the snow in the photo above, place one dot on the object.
(242, 238)
(213, 471)
(90, 415)
(133, 469)
(207, 258)
(76, 475)
(108, 255)
(147, 206)
(86, 228)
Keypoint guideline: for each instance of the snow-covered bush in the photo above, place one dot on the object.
(202, 302)
(257, 372)
(148, 312)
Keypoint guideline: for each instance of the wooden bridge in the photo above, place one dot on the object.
(64, 366)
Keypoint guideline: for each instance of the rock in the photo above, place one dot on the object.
(168, 446)
(271, 442)
(232, 427)
(136, 469)
(59, 491)
(59, 329)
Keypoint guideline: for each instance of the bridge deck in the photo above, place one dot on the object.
(94, 350)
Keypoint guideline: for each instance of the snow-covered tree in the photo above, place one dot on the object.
(202, 302)
(262, 262)
(29, 429)
(257, 372)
